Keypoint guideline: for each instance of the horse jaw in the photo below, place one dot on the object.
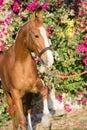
(48, 60)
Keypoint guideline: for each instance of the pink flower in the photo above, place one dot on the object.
(85, 60)
(82, 48)
(8, 20)
(76, 31)
(2, 47)
(16, 7)
(36, 60)
(1, 34)
(21, 16)
(78, 1)
(45, 6)
(85, 38)
(32, 6)
(57, 3)
(84, 101)
(1, 3)
(59, 97)
(18, 1)
(82, 13)
(8, 110)
(82, 43)
(67, 108)
(85, 3)
(51, 27)
(80, 94)
(50, 30)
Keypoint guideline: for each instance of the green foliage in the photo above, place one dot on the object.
(65, 42)
(4, 115)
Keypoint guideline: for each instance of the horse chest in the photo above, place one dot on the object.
(24, 77)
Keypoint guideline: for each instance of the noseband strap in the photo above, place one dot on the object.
(45, 49)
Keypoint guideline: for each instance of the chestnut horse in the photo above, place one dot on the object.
(18, 71)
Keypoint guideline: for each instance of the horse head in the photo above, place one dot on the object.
(39, 39)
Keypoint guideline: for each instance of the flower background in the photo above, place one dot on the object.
(67, 25)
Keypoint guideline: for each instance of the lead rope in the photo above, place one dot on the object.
(55, 74)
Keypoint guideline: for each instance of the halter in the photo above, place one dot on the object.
(42, 51)
(45, 49)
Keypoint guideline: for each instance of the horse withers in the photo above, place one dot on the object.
(18, 71)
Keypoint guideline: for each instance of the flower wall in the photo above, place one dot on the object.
(67, 26)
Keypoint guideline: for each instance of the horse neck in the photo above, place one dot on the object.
(21, 50)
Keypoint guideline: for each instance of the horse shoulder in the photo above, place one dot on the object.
(23, 76)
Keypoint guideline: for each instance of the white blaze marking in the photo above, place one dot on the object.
(29, 122)
(46, 41)
(45, 109)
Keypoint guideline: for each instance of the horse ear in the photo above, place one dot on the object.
(33, 16)
(40, 15)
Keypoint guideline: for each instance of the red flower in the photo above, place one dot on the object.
(76, 31)
(84, 101)
(21, 16)
(1, 3)
(57, 3)
(32, 6)
(80, 94)
(50, 30)
(82, 48)
(8, 110)
(2, 47)
(45, 6)
(82, 13)
(36, 59)
(67, 108)
(59, 97)
(85, 38)
(16, 7)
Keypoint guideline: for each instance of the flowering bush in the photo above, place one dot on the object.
(82, 49)
(67, 26)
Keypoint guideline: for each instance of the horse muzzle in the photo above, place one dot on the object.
(47, 59)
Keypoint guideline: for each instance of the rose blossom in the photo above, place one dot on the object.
(45, 6)
(82, 48)
(16, 7)
(1, 3)
(21, 16)
(85, 38)
(67, 107)
(2, 47)
(80, 94)
(59, 97)
(32, 6)
(84, 101)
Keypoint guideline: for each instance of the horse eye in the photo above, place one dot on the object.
(36, 36)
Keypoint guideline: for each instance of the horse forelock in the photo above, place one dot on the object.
(47, 44)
